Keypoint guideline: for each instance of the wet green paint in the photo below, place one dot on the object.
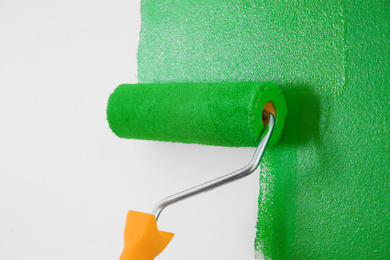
(325, 188)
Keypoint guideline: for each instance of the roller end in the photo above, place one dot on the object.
(274, 103)
(267, 110)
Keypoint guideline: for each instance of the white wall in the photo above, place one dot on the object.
(66, 181)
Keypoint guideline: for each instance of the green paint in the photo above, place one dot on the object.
(235, 41)
(325, 188)
(225, 114)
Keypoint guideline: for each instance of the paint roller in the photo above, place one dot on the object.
(247, 114)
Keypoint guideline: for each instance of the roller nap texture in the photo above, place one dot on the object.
(223, 114)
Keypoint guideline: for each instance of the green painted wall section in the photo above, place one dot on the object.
(325, 188)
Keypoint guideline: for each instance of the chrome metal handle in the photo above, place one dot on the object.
(236, 175)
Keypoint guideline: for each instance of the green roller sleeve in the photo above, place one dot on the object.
(222, 114)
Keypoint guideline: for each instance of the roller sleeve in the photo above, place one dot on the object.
(222, 114)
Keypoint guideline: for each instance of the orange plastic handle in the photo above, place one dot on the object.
(143, 241)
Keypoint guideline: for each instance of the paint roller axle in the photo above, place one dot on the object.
(236, 175)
